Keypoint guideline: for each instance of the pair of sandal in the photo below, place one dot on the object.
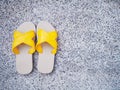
(24, 46)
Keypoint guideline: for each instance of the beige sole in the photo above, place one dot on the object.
(45, 59)
(24, 62)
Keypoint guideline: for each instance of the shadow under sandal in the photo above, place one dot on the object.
(23, 46)
(46, 46)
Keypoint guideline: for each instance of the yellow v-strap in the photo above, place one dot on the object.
(49, 37)
(23, 38)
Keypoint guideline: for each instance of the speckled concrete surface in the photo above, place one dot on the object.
(88, 57)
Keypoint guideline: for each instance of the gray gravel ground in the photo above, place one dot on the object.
(88, 56)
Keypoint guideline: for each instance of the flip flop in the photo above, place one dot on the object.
(23, 46)
(46, 46)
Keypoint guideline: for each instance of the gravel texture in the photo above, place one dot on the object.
(88, 56)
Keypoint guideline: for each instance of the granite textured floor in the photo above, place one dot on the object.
(88, 56)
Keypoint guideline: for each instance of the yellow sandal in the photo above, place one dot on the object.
(46, 46)
(23, 46)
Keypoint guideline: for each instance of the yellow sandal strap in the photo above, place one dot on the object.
(49, 37)
(23, 38)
